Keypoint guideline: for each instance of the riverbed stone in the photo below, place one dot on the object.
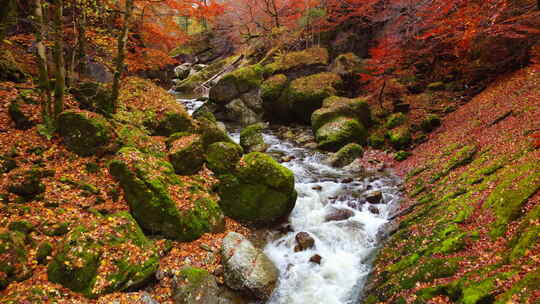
(195, 286)
(334, 107)
(260, 191)
(251, 138)
(304, 241)
(222, 157)
(339, 132)
(247, 268)
(374, 197)
(237, 82)
(346, 155)
(338, 214)
(150, 186)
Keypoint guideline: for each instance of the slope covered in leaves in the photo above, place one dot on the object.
(471, 232)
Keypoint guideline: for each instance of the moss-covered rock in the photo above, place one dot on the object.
(211, 132)
(334, 107)
(170, 123)
(151, 189)
(110, 255)
(395, 120)
(400, 137)
(306, 94)
(84, 133)
(196, 286)
(93, 96)
(346, 155)
(9, 68)
(28, 183)
(7, 164)
(260, 192)
(222, 157)
(339, 132)
(347, 64)
(299, 60)
(251, 138)
(237, 82)
(13, 264)
(430, 122)
(275, 107)
(22, 120)
(187, 154)
(133, 136)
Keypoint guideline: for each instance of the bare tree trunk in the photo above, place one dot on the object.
(7, 16)
(44, 86)
(81, 46)
(122, 41)
(58, 54)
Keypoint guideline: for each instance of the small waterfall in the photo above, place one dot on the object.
(346, 245)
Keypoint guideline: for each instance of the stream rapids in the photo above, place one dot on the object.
(346, 246)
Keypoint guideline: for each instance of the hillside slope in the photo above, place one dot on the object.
(473, 233)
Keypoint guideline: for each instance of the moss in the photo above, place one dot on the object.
(346, 155)
(402, 155)
(395, 120)
(170, 123)
(193, 81)
(222, 157)
(523, 290)
(306, 94)
(44, 250)
(146, 181)
(272, 88)
(429, 269)
(21, 226)
(7, 164)
(187, 155)
(237, 82)
(27, 183)
(339, 132)
(376, 141)
(430, 122)
(14, 259)
(84, 133)
(347, 63)
(251, 138)
(506, 200)
(22, 121)
(526, 237)
(261, 192)
(300, 59)
(211, 132)
(56, 229)
(334, 107)
(400, 137)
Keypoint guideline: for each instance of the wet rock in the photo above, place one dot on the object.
(247, 268)
(316, 259)
(357, 205)
(288, 158)
(317, 188)
(311, 145)
(285, 229)
(374, 210)
(338, 215)
(304, 241)
(251, 138)
(346, 155)
(375, 197)
(347, 180)
(238, 111)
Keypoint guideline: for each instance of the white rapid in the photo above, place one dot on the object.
(346, 246)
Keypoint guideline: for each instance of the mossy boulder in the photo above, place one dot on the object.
(275, 107)
(222, 157)
(93, 96)
(430, 122)
(339, 132)
(236, 83)
(346, 155)
(211, 132)
(10, 70)
(129, 135)
(251, 138)
(315, 56)
(14, 261)
(347, 64)
(395, 120)
(400, 137)
(84, 262)
(196, 286)
(84, 133)
(261, 191)
(23, 119)
(170, 123)
(152, 191)
(334, 107)
(187, 154)
(28, 183)
(306, 94)
(7, 164)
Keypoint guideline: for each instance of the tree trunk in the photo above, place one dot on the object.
(122, 41)
(81, 46)
(58, 54)
(7, 17)
(44, 87)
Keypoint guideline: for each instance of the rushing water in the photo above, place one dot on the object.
(346, 246)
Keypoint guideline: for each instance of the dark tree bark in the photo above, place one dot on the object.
(120, 57)
(41, 54)
(59, 62)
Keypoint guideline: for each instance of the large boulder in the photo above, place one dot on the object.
(14, 261)
(10, 69)
(347, 64)
(245, 110)
(306, 94)
(222, 157)
(236, 83)
(187, 154)
(109, 255)
(93, 96)
(84, 133)
(346, 155)
(260, 191)
(211, 132)
(152, 191)
(21, 114)
(275, 107)
(247, 268)
(251, 138)
(334, 107)
(305, 59)
(27, 183)
(337, 133)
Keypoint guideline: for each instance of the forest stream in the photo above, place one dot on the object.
(333, 208)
